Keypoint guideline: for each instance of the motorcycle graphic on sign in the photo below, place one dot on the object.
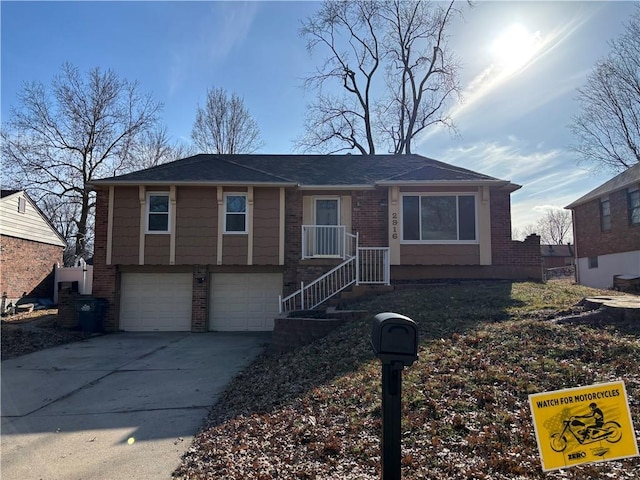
(585, 433)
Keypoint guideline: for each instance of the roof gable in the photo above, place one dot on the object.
(30, 224)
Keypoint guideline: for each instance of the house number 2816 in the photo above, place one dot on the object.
(394, 224)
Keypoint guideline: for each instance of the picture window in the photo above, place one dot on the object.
(439, 218)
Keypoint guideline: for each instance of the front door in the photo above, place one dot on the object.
(327, 221)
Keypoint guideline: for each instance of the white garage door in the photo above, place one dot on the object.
(244, 301)
(155, 302)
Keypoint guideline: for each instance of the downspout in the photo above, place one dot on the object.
(575, 247)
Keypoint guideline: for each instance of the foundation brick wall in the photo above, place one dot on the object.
(290, 333)
(104, 276)
(591, 241)
(523, 255)
(27, 267)
(200, 299)
(67, 313)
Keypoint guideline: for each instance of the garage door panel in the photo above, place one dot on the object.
(244, 301)
(155, 301)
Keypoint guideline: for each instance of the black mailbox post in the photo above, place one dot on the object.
(394, 339)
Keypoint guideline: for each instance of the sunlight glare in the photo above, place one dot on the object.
(515, 46)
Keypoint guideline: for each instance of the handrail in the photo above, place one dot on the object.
(368, 265)
(321, 289)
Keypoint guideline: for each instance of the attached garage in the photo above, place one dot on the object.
(155, 302)
(244, 301)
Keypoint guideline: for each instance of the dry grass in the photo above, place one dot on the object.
(315, 413)
(33, 331)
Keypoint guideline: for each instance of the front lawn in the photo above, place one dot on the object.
(315, 413)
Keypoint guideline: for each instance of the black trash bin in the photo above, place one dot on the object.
(91, 313)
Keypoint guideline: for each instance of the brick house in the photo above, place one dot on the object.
(554, 256)
(606, 230)
(29, 248)
(211, 242)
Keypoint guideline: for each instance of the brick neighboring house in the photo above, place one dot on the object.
(606, 230)
(29, 248)
(209, 242)
(554, 256)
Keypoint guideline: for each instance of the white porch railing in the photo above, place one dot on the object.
(327, 241)
(374, 266)
(363, 265)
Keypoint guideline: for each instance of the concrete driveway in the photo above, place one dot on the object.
(119, 406)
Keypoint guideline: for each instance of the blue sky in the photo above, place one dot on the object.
(521, 65)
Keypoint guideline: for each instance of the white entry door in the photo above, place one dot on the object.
(327, 213)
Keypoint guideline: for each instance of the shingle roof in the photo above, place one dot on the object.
(6, 193)
(301, 170)
(629, 177)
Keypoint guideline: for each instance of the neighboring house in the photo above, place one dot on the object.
(557, 255)
(606, 230)
(29, 248)
(210, 242)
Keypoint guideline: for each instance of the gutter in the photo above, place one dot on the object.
(452, 183)
(131, 183)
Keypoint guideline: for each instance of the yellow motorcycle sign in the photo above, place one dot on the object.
(583, 425)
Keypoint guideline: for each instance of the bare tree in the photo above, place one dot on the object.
(224, 125)
(80, 128)
(555, 227)
(154, 147)
(607, 130)
(523, 232)
(391, 60)
(62, 215)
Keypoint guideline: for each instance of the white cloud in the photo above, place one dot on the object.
(548, 177)
(546, 208)
(211, 40)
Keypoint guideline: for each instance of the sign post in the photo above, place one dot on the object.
(583, 425)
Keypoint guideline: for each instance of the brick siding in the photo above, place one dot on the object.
(292, 240)
(523, 255)
(105, 276)
(200, 299)
(370, 217)
(27, 267)
(591, 241)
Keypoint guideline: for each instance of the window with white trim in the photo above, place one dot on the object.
(439, 218)
(22, 205)
(158, 206)
(235, 213)
(633, 200)
(605, 214)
